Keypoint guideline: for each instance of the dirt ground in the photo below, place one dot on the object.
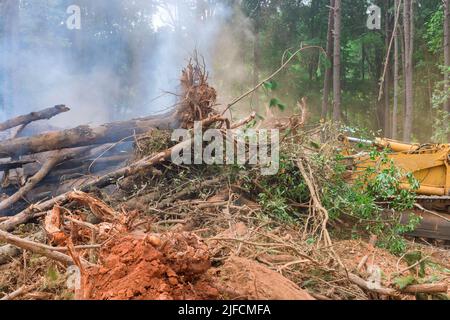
(436, 267)
(242, 278)
(151, 268)
(177, 266)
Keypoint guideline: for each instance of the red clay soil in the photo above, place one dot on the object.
(168, 267)
(241, 278)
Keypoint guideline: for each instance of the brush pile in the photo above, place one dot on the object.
(102, 213)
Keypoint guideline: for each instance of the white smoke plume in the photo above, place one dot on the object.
(126, 54)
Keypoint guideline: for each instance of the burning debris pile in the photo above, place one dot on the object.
(107, 202)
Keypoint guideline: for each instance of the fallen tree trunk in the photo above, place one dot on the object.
(4, 166)
(58, 157)
(37, 210)
(34, 116)
(84, 136)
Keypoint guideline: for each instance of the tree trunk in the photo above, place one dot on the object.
(337, 62)
(52, 161)
(408, 21)
(329, 69)
(386, 119)
(447, 49)
(34, 116)
(396, 79)
(84, 136)
(256, 65)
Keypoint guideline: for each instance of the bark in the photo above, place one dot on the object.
(40, 209)
(337, 62)
(329, 70)
(7, 252)
(371, 246)
(394, 129)
(447, 49)
(35, 247)
(386, 126)
(84, 136)
(413, 289)
(426, 288)
(34, 116)
(256, 65)
(408, 22)
(142, 202)
(5, 166)
(59, 156)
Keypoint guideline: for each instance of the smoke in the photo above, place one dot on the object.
(124, 62)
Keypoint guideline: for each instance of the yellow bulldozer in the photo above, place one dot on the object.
(429, 164)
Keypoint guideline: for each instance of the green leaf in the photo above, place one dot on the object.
(277, 103)
(403, 282)
(274, 102)
(271, 85)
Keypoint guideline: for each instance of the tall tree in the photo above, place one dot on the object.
(446, 49)
(394, 129)
(337, 62)
(386, 113)
(408, 25)
(329, 69)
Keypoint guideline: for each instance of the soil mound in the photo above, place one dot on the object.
(168, 267)
(246, 279)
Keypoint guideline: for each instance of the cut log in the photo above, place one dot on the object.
(84, 136)
(34, 116)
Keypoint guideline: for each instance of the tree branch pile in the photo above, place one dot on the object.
(102, 202)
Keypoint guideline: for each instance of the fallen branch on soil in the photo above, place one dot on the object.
(37, 248)
(34, 116)
(372, 243)
(97, 207)
(21, 291)
(426, 288)
(7, 252)
(412, 289)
